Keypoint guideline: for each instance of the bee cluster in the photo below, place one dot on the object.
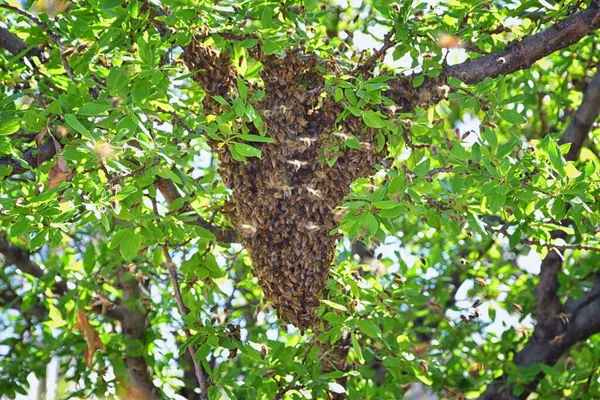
(283, 204)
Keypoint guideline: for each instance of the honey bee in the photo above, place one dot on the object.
(311, 227)
(523, 331)
(464, 320)
(481, 282)
(517, 307)
(558, 339)
(297, 163)
(307, 141)
(564, 318)
(314, 192)
(341, 135)
(474, 315)
(248, 230)
(476, 303)
(424, 366)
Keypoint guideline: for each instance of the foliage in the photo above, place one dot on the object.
(469, 193)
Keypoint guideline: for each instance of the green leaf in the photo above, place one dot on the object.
(369, 328)
(418, 81)
(334, 305)
(116, 80)
(512, 117)
(255, 138)
(490, 136)
(246, 150)
(74, 123)
(422, 168)
(10, 127)
(555, 157)
(385, 204)
(370, 222)
(267, 17)
(249, 43)
(422, 376)
(357, 349)
(94, 108)
(373, 120)
(242, 89)
(130, 244)
(353, 143)
(89, 259)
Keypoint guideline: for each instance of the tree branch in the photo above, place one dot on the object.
(51, 35)
(21, 259)
(11, 42)
(554, 335)
(517, 55)
(33, 157)
(584, 118)
(184, 311)
(522, 54)
(171, 193)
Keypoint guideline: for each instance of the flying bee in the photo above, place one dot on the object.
(481, 282)
(314, 192)
(476, 303)
(341, 135)
(365, 146)
(517, 307)
(435, 306)
(312, 227)
(307, 141)
(424, 366)
(464, 320)
(474, 314)
(248, 230)
(286, 189)
(558, 339)
(564, 318)
(297, 163)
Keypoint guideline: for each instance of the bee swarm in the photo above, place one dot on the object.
(283, 204)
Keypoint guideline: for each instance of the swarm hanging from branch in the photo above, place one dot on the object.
(284, 204)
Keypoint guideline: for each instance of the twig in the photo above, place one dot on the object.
(410, 143)
(198, 369)
(369, 64)
(550, 246)
(53, 36)
(179, 121)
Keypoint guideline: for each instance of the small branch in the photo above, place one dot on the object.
(584, 118)
(51, 35)
(184, 311)
(180, 121)
(410, 143)
(171, 193)
(370, 63)
(550, 246)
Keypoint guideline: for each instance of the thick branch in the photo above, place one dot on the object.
(33, 157)
(584, 322)
(522, 54)
(584, 118)
(21, 259)
(517, 55)
(51, 35)
(11, 42)
(553, 335)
